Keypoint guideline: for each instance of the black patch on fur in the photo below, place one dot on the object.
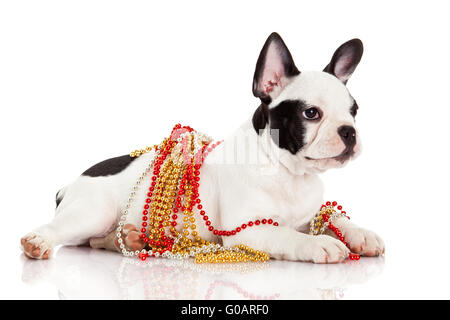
(58, 200)
(354, 109)
(260, 118)
(109, 167)
(287, 118)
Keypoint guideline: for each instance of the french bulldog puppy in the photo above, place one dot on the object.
(268, 168)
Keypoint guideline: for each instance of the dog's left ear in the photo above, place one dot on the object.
(345, 60)
(274, 69)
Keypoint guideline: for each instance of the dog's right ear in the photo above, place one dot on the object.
(274, 69)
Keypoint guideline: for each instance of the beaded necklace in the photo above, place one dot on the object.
(173, 192)
(324, 219)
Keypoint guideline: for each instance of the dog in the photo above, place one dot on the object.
(304, 125)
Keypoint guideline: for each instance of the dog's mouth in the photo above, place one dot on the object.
(342, 157)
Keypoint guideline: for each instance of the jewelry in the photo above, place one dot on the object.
(324, 219)
(173, 191)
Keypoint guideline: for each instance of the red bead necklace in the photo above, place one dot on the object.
(174, 189)
(190, 177)
(323, 220)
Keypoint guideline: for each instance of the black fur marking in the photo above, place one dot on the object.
(109, 167)
(289, 67)
(58, 200)
(287, 118)
(354, 109)
(260, 118)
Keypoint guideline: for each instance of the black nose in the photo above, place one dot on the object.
(348, 136)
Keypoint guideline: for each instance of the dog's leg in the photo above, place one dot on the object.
(362, 241)
(289, 244)
(74, 224)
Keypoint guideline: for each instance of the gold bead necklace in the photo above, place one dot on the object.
(174, 192)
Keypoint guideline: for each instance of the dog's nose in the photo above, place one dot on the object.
(348, 135)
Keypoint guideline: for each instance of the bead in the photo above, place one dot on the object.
(174, 185)
(323, 220)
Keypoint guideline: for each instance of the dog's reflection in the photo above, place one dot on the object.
(84, 273)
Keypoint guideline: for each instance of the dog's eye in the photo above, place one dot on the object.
(311, 114)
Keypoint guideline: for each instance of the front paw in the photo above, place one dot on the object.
(323, 249)
(364, 242)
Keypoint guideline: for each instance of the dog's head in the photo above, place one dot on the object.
(312, 111)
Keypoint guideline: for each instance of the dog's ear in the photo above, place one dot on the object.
(274, 69)
(345, 60)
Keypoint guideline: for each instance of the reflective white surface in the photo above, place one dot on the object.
(84, 273)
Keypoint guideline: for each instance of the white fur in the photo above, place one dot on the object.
(246, 178)
(326, 92)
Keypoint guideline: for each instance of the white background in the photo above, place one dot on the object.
(82, 81)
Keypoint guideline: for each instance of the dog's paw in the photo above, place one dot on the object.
(131, 238)
(364, 242)
(323, 249)
(35, 246)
